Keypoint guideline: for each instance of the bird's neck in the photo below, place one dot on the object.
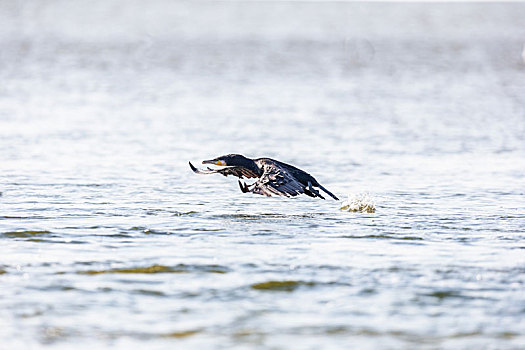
(252, 165)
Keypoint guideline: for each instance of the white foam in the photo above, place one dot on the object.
(363, 202)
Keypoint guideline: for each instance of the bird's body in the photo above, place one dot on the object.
(275, 178)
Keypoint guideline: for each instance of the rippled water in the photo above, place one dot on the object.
(109, 240)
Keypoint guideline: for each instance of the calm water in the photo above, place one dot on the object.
(107, 239)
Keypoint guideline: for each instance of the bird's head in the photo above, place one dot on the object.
(228, 160)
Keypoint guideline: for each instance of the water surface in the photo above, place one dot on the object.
(109, 240)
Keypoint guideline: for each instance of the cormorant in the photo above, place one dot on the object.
(274, 177)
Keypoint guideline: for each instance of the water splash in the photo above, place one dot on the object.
(362, 202)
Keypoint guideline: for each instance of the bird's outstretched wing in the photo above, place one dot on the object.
(238, 171)
(276, 181)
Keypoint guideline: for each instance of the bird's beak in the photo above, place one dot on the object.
(215, 162)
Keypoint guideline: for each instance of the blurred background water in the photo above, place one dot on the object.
(109, 240)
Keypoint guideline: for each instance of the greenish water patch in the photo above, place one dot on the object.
(507, 335)
(25, 234)
(185, 213)
(50, 335)
(160, 269)
(282, 286)
(150, 292)
(116, 235)
(148, 269)
(14, 217)
(368, 291)
(54, 241)
(182, 334)
(444, 294)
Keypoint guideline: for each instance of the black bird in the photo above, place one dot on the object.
(275, 178)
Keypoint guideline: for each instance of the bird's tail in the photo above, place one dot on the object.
(329, 193)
